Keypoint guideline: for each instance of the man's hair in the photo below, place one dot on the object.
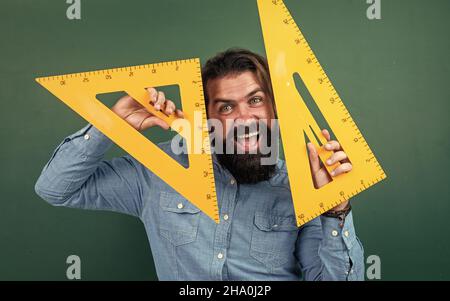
(234, 61)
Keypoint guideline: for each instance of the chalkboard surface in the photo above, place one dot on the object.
(391, 73)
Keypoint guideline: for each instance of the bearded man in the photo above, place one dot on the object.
(257, 237)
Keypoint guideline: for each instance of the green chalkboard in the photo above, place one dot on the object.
(392, 74)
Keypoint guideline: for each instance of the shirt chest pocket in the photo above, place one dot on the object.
(273, 239)
(178, 219)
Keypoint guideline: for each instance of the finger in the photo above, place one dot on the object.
(343, 168)
(153, 95)
(332, 145)
(313, 157)
(153, 121)
(336, 157)
(160, 101)
(179, 113)
(169, 107)
(326, 134)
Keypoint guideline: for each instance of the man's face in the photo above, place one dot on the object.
(245, 112)
(238, 100)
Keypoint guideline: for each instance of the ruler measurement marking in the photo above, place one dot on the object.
(108, 75)
(323, 93)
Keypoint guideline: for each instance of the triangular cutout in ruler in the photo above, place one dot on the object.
(289, 53)
(79, 92)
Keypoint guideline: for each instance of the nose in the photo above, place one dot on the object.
(244, 117)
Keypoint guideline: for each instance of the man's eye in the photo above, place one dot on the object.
(225, 108)
(255, 100)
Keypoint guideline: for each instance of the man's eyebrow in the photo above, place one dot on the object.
(253, 92)
(217, 100)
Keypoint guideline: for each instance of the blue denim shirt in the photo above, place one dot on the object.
(256, 239)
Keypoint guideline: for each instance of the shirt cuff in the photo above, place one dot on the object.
(335, 235)
(90, 141)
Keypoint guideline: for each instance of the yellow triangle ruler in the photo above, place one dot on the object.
(288, 53)
(79, 91)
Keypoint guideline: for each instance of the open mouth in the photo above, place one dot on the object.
(248, 141)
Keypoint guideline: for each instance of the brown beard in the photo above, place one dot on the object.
(247, 168)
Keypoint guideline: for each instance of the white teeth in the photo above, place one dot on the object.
(247, 135)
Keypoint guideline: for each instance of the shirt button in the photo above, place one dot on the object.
(232, 181)
(346, 233)
(180, 206)
(334, 233)
(220, 255)
(87, 137)
(225, 217)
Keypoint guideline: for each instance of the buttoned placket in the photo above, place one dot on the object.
(221, 236)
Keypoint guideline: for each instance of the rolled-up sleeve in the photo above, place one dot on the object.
(326, 251)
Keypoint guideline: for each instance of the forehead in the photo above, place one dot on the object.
(233, 86)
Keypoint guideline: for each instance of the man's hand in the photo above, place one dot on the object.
(320, 174)
(137, 116)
